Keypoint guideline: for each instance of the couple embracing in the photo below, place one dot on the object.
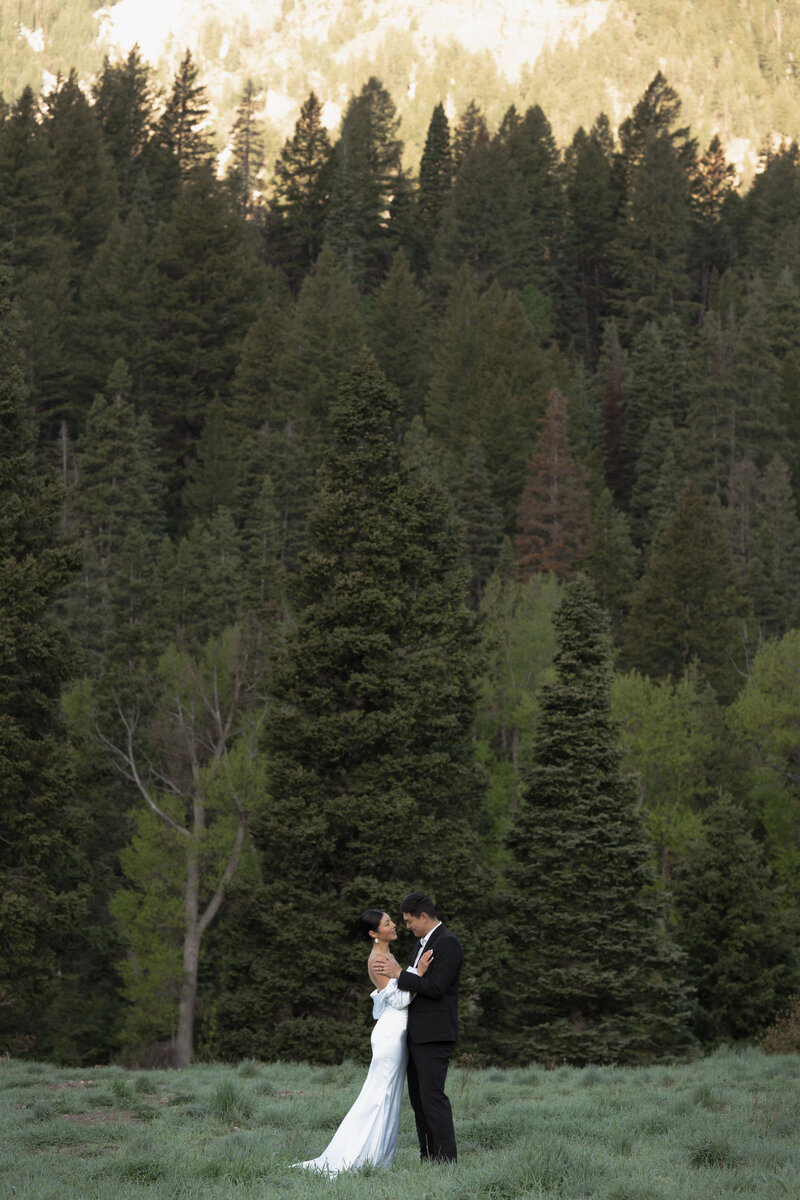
(415, 1032)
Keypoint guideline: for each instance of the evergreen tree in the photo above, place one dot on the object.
(324, 333)
(247, 151)
(482, 520)
(611, 383)
(366, 169)
(687, 608)
(116, 490)
(33, 229)
(652, 241)
(124, 103)
(739, 952)
(117, 315)
(41, 825)
(208, 290)
(83, 168)
(534, 153)
(611, 559)
(659, 382)
(371, 778)
(435, 174)
(553, 514)
(485, 223)
(712, 185)
(300, 193)
(470, 131)
(591, 199)
(659, 481)
(254, 384)
(599, 981)
(180, 142)
(398, 334)
(735, 412)
(461, 337)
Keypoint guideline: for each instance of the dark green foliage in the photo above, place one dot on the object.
(482, 520)
(371, 779)
(180, 143)
(687, 608)
(435, 174)
(43, 874)
(301, 189)
(123, 103)
(650, 251)
(208, 290)
(83, 169)
(599, 980)
(485, 222)
(247, 152)
(365, 172)
(398, 335)
(33, 230)
(740, 955)
(591, 199)
(610, 560)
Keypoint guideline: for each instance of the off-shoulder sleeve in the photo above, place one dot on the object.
(390, 996)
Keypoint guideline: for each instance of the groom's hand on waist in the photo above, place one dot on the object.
(383, 964)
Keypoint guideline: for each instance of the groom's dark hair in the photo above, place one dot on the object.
(417, 903)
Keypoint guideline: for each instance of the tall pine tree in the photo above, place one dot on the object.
(596, 978)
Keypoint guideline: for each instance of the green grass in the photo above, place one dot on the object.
(726, 1126)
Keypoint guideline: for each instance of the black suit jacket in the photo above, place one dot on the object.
(433, 1015)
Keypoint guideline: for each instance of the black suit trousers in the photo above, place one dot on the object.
(426, 1075)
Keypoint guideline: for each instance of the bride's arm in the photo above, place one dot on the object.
(390, 992)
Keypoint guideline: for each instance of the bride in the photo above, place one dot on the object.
(369, 1131)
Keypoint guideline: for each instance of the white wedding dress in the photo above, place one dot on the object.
(369, 1131)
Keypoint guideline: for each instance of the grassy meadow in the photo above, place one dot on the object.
(725, 1126)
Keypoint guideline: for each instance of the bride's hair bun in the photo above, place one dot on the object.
(368, 922)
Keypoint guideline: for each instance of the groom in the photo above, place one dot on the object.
(432, 1024)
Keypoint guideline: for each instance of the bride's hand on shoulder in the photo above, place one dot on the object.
(424, 962)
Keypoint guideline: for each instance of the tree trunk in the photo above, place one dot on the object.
(184, 1045)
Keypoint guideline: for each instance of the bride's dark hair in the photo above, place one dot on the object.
(368, 922)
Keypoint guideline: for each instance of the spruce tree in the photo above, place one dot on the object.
(596, 978)
(300, 194)
(591, 199)
(372, 784)
(124, 103)
(180, 142)
(366, 169)
(435, 174)
(739, 950)
(247, 151)
(687, 607)
(398, 335)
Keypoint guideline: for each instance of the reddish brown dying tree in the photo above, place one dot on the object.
(553, 514)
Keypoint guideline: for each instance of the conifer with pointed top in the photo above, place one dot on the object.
(554, 511)
(599, 980)
(372, 783)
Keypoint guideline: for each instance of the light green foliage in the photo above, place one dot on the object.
(720, 1126)
(666, 743)
(767, 714)
(518, 647)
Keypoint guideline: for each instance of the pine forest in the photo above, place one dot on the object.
(371, 523)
